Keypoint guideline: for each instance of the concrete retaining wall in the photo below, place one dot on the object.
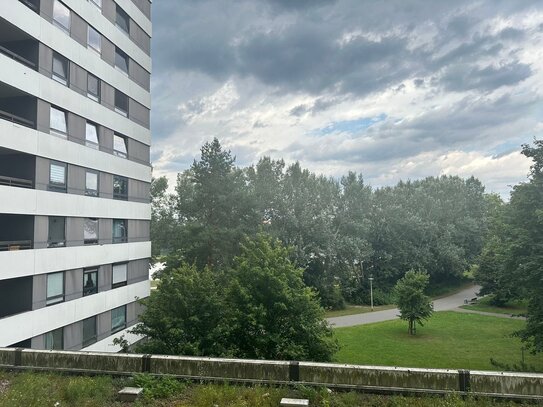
(367, 378)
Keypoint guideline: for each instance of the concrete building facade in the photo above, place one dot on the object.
(74, 171)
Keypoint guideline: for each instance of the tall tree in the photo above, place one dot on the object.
(214, 208)
(163, 222)
(274, 314)
(415, 307)
(512, 262)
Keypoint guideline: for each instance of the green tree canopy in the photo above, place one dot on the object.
(259, 308)
(415, 307)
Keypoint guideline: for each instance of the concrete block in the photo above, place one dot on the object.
(130, 393)
(294, 402)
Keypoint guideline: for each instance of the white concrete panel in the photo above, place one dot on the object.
(36, 202)
(92, 15)
(26, 140)
(52, 36)
(36, 84)
(106, 345)
(23, 263)
(26, 325)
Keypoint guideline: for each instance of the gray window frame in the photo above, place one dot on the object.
(120, 239)
(55, 299)
(120, 327)
(92, 339)
(57, 22)
(66, 63)
(90, 290)
(94, 240)
(52, 333)
(96, 97)
(57, 186)
(56, 242)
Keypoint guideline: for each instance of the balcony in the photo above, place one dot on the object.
(15, 296)
(16, 232)
(17, 107)
(17, 44)
(17, 169)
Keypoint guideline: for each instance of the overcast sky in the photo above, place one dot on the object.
(395, 89)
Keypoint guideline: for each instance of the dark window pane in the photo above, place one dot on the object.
(90, 282)
(122, 20)
(54, 339)
(57, 231)
(89, 331)
(119, 231)
(93, 87)
(60, 69)
(94, 39)
(121, 60)
(121, 103)
(120, 187)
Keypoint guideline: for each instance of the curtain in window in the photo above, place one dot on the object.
(58, 120)
(55, 288)
(119, 273)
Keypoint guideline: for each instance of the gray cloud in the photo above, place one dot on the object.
(331, 52)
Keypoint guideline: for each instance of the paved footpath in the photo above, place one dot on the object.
(442, 304)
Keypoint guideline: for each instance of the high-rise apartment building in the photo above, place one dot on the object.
(74, 171)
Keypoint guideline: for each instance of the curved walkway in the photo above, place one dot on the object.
(441, 304)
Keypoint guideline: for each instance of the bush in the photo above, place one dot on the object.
(158, 387)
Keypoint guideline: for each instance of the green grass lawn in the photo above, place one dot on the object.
(485, 305)
(448, 340)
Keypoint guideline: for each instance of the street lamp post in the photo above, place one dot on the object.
(371, 292)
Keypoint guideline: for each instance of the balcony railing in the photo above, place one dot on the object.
(17, 57)
(16, 119)
(16, 182)
(15, 245)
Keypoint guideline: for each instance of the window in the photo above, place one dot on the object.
(119, 231)
(118, 319)
(89, 331)
(90, 282)
(57, 232)
(90, 231)
(119, 275)
(121, 60)
(60, 69)
(91, 183)
(58, 122)
(57, 177)
(55, 288)
(93, 87)
(61, 16)
(121, 103)
(97, 3)
(122, 20)
(119, 146)
(54, 340)
(91, 136)
(94, 39)
(120, 187)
